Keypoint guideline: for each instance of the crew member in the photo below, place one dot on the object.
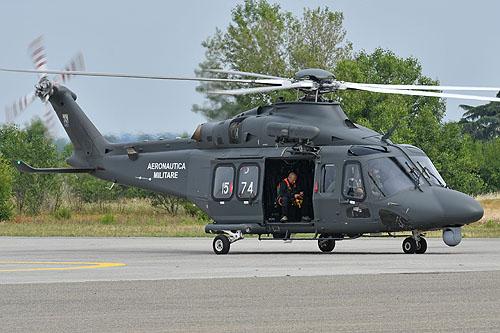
(290, 197)
(376, 178)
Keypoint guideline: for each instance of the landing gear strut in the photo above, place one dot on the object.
(421, 246)
(416, 243)
(222, 243)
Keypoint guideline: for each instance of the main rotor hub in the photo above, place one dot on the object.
(314, 74)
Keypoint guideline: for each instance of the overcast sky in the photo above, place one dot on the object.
(457, 42)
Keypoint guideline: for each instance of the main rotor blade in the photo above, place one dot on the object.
(224, 71)
(357, 86)
(137, 76)
(425, 87)
(244, 91)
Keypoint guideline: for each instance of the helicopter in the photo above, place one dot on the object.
(356, 181)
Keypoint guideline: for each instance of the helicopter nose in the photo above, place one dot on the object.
(457, 207)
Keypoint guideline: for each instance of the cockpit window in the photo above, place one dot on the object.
(353, 186)
(388, 175)
(428, 170)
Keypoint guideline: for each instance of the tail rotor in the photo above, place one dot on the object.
(36, 51)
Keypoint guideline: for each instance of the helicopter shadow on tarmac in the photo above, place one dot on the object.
(367, 253)
(243, 252)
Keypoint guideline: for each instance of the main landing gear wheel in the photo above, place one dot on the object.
(326, 245)
(421, 246)
(221, 244)
(279, 235)
(409, 245)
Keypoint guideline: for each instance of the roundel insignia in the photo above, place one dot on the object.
(65, 120)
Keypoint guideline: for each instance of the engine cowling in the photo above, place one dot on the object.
(452, 236)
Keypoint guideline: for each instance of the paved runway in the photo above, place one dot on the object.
(178, 284)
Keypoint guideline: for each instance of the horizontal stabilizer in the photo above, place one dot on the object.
(23, 167)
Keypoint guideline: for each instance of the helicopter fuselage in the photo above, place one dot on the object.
(354, 182)
(410, 201)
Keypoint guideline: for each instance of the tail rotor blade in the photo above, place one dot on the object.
(49, 119)
(75, 64)
(36, 51)
(17, 108)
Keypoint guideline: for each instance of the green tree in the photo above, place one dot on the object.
(263, 38)
(32, 192)
(88, 189)
(169, 203)
(486, 153)
(481, 122)
(319, 41)
(6, 179)
(454, 155)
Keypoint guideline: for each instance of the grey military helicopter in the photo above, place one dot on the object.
(356, 181)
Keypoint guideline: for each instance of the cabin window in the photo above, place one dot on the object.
(223, 182)
(248, 181)
(329, 173)
(353, 187)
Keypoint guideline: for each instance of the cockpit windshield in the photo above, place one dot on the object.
(389, 175)
(428, 170)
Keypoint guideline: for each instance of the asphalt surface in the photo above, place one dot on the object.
(179, 285)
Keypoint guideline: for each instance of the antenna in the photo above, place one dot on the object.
(389, 133)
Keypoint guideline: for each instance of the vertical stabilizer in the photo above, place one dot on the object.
(89, 144)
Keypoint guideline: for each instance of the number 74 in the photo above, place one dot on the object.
(249, 189)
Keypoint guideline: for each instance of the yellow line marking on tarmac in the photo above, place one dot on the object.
(87, 265)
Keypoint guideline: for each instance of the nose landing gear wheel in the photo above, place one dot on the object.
(326, 245)
(421, 246)
(409, 245)
(221, 244)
